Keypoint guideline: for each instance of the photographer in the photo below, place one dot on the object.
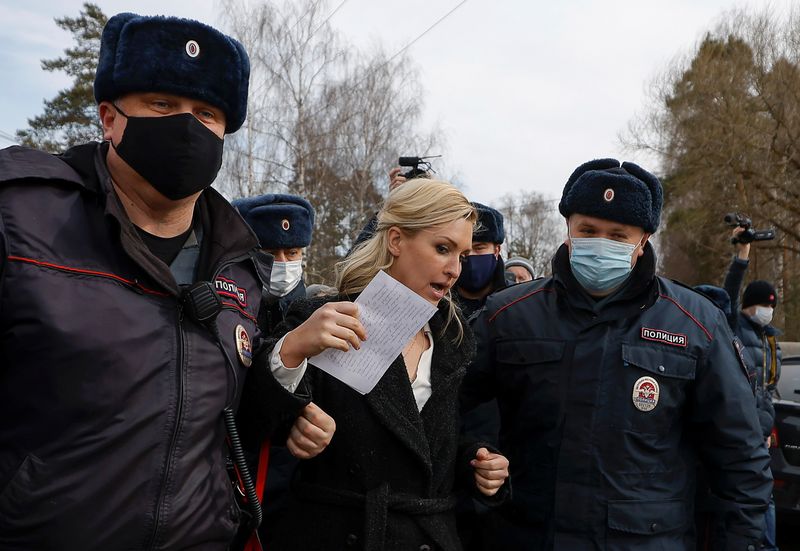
(761, 349)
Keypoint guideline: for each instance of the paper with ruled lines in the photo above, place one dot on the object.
(391, 314)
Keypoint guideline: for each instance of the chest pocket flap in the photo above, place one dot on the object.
(647, 517)
(660, 361)
(526, 352)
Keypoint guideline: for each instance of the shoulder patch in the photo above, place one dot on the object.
(228, 288)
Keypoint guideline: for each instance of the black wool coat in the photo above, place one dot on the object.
(386, 480)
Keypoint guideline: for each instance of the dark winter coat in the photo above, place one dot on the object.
(111, 397)
(762, 353)
(483, 421)
(386, 479)
(591, 469)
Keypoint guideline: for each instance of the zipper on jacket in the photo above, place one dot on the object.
(181, 375)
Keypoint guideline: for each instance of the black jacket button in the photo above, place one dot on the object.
(654, 527)
(424, 547)
(351, 540)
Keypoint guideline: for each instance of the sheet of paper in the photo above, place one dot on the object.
(391, 313)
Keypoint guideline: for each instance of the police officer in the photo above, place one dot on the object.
(483, 272)
(127, 318)
(612, 382)
(283, 224)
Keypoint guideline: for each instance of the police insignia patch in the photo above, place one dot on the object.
(659, 335)
(243, 347)
(645, 394)
(228, 288)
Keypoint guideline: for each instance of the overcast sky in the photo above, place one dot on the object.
(523, 90)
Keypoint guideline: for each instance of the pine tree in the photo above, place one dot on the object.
(71, 117)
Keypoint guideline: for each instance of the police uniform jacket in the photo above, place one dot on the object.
(111, 397)
(386, 480)
(606, 407)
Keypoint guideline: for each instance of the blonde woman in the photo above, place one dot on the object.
(387, 478)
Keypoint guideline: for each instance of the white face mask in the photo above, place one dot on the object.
(763, 315)
(285, 277)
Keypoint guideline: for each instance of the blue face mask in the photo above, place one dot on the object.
(600, 265)
(477, 271)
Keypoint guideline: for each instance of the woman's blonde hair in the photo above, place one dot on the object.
(414, 206)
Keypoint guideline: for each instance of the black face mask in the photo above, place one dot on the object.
(176, 154)
(477, 271)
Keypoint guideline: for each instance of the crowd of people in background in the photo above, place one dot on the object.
(159, 390)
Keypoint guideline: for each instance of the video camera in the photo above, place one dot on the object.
(419, 165)
(735, 219)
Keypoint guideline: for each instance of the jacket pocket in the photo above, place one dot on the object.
(648, 517)
(652, 393)
(660, 362)
(528, 374)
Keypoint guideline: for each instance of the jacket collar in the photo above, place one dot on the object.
(82, 160)
(225, 235)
